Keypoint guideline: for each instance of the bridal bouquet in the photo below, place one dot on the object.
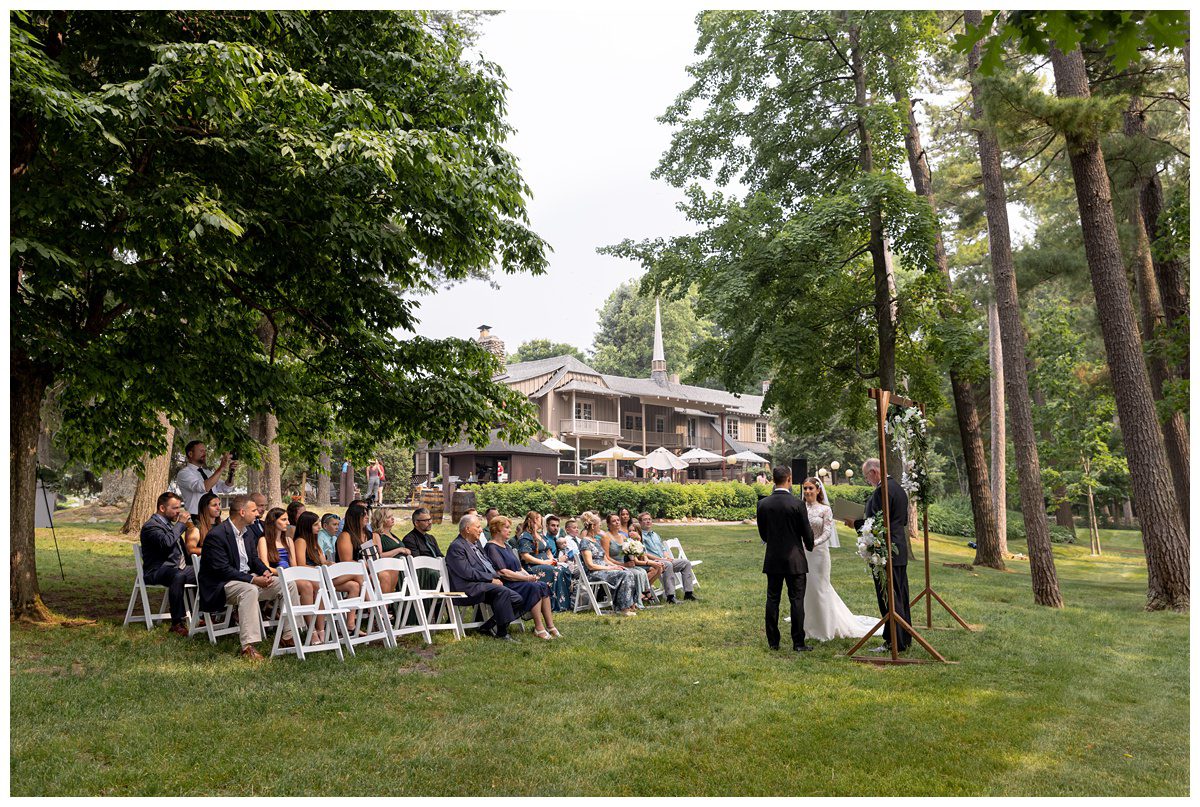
(632, 548)
(872, 546)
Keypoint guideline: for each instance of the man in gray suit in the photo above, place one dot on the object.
(784, 528)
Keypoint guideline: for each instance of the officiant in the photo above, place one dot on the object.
(898, 511)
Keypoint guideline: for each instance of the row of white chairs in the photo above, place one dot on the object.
(378, 615)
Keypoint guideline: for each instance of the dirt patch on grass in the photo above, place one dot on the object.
(85, 513)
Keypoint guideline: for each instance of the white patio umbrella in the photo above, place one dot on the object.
(747, 456)
(660, 459)
(557, 445)
(615, 453)
(697, 455)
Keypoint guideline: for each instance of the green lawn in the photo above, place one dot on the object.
(1089, 700)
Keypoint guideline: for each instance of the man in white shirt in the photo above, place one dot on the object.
(194, 480)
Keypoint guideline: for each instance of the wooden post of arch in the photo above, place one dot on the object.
(891, 619)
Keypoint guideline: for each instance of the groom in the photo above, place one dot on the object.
(784, 528)
(898, 510)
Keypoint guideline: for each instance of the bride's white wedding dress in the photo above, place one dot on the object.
(825, 615)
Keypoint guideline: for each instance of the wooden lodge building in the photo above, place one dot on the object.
(592, 412)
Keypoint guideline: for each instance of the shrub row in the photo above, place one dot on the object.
(953, 516)
(725, 501)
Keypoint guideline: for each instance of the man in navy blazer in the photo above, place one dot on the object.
(471, 573)
(163, 558)
(230, 568)
(784, 528)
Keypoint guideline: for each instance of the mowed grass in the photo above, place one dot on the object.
(1088, 700)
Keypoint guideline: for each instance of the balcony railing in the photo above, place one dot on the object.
(603, 428)
(655, 439)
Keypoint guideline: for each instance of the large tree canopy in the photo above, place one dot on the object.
(216, 215)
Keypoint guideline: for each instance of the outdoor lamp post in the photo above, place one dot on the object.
(849, 474)
(835, 465)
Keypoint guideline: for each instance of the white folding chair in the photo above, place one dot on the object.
(294, 615)
(437, 601)
(217, 623)
(374, 611)
(141, 594)
(405, 601)
(586, 590)
(675, 550)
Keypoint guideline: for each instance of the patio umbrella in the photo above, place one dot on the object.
(697, 455)
(660, 459)
(615, 453)
(557, 445)
(747, 456)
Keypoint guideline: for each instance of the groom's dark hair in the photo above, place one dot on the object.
(781, 473)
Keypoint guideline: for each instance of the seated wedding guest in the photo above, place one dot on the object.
(653, 568)
(294, 509)
(275, 547)
(389, 545)
(421, 543)
(328, 535)
(210, 516)
(342, 521)
(354, 533)
(486, 535)
(591, 555)
(611, 542)
(194, 480)
(307, 552)
(189, 535)
(626, 518)
(256, 526)
(671, 568)
(228, 569)
(568, 542)
(540, 560)
(163, 562)
(535, 595)
(311, 550)
(471, 573)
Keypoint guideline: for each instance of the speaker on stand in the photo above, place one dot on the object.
(799, 470)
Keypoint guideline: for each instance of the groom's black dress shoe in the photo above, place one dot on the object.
(801, 648)
(773, 646)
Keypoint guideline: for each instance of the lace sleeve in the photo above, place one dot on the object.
(827, 527)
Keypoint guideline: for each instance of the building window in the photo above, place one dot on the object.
(633, 422)
(660, 424)
(583, 410)
(732, 427)
(760, 431)
(691, 431)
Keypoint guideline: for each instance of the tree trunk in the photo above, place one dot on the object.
(254, 478)
(999, 433)
(323, 477)
(885, 310)
(1127, 514)
(988, 551)
(1062, 515)
(156, 472)
(270, 478)
(1020, 410)
(1171, 274)
(1093, 528)
(28, 387)
(1163, 534)
(1175, 430)
(118, 487)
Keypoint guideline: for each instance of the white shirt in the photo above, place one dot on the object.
(243, 561)
(190, 480)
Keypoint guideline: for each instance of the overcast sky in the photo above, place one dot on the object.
(585, 89)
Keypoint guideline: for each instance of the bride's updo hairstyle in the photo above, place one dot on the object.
(816, 483)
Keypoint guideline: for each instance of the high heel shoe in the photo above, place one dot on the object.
(542, 634)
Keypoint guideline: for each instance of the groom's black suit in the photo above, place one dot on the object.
(898, 510)
(784, 528)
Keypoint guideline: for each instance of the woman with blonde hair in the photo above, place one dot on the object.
(389, 545)
(539, 558)
(599, 567)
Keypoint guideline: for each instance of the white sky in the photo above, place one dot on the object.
(585, 89)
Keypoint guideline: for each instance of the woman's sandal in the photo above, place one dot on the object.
(542, 634)
(554, 632)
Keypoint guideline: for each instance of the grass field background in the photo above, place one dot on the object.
(1088, 700)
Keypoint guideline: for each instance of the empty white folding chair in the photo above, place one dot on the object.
(586, 590)
(369, 609)
(301, 620)
(141, 595)
(675, 550)
(405, 601)
(217, 623)
(435, 603)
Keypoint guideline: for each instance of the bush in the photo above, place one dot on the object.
(953, 516)
(726, 501)
(853, 493)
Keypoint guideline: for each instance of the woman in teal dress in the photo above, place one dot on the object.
(537, 558)
(611, 541)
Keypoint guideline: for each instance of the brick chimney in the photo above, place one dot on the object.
(492, 344)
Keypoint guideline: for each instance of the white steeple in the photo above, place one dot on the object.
(658, 363)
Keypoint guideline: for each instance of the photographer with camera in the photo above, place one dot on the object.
(194, 480)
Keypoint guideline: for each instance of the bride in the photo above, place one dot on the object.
(825, 615)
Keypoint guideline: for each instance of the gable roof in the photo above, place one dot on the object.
(525, 370)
